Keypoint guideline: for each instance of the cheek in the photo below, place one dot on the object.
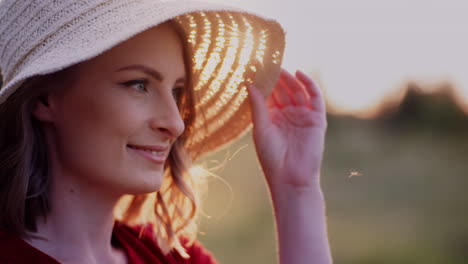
(92, 135)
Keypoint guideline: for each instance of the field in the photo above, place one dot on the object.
(407, 203)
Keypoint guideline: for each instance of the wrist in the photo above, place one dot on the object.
(297, 187)
(297, 199)
(301, 225)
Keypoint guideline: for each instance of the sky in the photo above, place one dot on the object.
(364, 51)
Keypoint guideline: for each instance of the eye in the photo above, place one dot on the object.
(177, 92)
(138, 85)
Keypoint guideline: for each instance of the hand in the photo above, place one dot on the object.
(289, 131)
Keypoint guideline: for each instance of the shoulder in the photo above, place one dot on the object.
(10, 246)
(13, 250)
(6, 239)
(141, 239)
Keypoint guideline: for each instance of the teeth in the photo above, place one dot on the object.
(154, 152)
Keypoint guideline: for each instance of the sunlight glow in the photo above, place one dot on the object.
(200, 56)
(365, 51)
(229, 59)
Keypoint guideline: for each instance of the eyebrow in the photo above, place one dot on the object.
(153, 73)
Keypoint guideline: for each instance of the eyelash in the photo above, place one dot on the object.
(176, 92)
(133, 82)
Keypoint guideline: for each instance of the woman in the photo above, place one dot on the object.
(106, 103)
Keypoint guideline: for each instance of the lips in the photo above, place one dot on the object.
(147, 149)
(156, 154)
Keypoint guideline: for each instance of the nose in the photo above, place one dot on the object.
(166, 119)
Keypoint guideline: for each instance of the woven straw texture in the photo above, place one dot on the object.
(229, 47)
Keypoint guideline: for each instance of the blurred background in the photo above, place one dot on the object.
(395, 77)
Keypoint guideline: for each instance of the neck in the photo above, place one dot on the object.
(78, 228)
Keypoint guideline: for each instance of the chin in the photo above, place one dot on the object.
(143, 183)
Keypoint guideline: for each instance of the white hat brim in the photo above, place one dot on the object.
(93, 27)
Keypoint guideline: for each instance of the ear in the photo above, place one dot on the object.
(42, 109)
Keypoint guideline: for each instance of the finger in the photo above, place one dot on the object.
(294, 98)
(295, 88)
(293, 84)
(299, 98)
(316, 99)
(281, 95)
(271, 101)
(258, 106)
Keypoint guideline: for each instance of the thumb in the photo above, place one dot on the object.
(258, 106)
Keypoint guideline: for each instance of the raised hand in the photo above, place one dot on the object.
(289, 131)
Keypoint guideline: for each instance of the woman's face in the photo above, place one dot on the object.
(113, 127)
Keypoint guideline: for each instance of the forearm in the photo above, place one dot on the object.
(289, 134)
(301, 226)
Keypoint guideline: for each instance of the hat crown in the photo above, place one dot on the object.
(25, 24)
(229, 47)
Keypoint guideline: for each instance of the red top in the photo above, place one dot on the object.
(144, 250)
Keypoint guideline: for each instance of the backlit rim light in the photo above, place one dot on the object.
(230, 50)
(237, 76)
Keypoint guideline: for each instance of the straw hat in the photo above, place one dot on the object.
(230, 47)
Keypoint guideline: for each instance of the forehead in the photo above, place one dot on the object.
(159, 48)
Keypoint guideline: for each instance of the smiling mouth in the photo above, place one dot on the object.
(157, 154)
(154, 152)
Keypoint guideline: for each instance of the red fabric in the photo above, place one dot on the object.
(144, 250)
